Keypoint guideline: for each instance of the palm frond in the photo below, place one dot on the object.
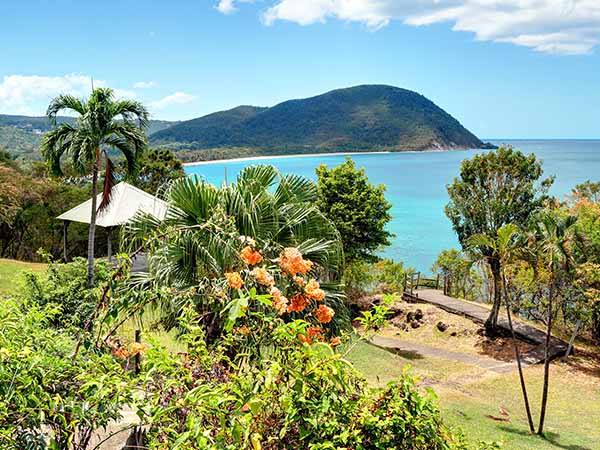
(65, 102)
(132, 112)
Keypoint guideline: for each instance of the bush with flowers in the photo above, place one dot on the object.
(275, 379)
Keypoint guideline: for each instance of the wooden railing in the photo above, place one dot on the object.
(414, 281)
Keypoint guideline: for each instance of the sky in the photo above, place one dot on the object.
(503, 68)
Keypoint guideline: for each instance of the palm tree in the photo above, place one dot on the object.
(554, 235)
(102, 123)
(199, 239)
(508, 245)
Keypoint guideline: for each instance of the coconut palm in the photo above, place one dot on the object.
(508, 245)
(102, 123)
(199, 239)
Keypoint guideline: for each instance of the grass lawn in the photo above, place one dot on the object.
(11, 274)
(468, 395)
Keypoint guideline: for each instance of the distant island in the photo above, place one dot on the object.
(357, 119)
(365, 118)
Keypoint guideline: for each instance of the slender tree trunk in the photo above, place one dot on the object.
(546, 362)
(573, 336)
(518, 358)
(492, 321)
(596, 323)
(92, 231)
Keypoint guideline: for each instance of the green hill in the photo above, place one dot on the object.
(361, 118)
(21, 135)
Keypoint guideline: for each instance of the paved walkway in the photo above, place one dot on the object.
(424, 350)
(480, 314)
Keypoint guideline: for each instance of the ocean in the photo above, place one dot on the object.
(416, 186)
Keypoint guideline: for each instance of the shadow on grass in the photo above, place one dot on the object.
(407, 354)
(549, 437)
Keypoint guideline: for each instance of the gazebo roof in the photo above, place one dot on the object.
(126, 201)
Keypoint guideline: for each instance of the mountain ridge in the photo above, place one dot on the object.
(359, 118)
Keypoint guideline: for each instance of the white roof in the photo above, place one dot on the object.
(126, 200)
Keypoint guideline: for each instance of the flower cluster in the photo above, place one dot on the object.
(251, 256)
(292, 262)
(291, 289)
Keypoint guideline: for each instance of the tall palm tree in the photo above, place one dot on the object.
(199, 239)
(102, 123)
(508, 245)
(554, 235)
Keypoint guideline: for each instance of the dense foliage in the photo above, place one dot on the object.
(29, 205)
(358, 209)
(370, 117)
(157, 167)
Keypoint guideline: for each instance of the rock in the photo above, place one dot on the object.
(442, 326)
(454, 334)
(418, 314)
(404, 327)
(415, 324)
(410, 316)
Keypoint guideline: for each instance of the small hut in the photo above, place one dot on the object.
(126, 200)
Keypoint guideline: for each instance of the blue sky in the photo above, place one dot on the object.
(505, 69)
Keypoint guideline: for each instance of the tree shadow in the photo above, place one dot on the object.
(406, 354)
(550, 437)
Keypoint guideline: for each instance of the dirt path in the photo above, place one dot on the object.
(425, 350)
(479, 314)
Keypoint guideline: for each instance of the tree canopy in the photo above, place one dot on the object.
(494, 189)
(358, 209)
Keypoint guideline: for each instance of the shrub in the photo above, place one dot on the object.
(64, 286)
(48, 396)
(298, 396)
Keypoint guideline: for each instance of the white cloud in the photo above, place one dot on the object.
(229, 6)
(30, 94)
(177, 98)
(145, 84)
(226, 6)
(550, 26)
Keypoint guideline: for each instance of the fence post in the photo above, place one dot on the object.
(137, 358)
(437, 282)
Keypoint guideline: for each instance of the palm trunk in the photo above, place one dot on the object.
(92, 231)
(518, 358)
(546, 362)
(492, 321)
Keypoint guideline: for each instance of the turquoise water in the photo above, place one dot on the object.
(416, 186)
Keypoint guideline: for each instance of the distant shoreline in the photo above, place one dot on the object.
(301, 155)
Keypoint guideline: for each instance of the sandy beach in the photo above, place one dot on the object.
(258, 158)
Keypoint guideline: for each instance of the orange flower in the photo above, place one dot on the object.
(299, 280)
(315, 333)
(336, 341)
(137, 347)
(263, 277)
(280, 303)
(313, 291)
(120, 352)
(298, 303)
(250, 256)
(305, 339)
(324, 314)
(291, 261)
(234, 279)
